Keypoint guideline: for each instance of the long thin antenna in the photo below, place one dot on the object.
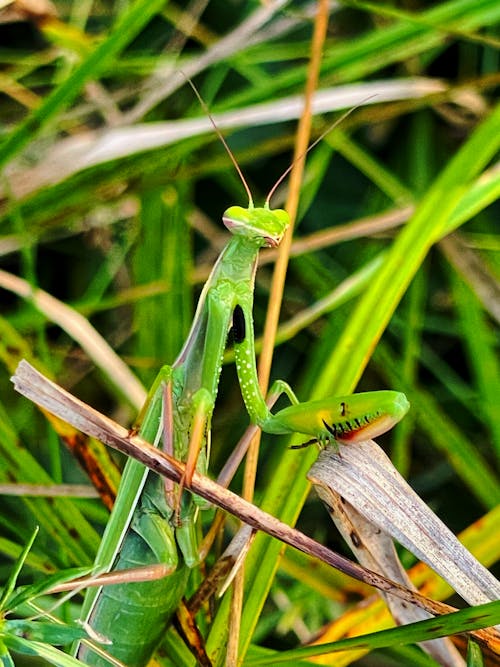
(315, 143)
(221, 137)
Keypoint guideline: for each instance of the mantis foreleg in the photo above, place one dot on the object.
(343, 419)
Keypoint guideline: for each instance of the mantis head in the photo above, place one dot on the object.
(262, 225)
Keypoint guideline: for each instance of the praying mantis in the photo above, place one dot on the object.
(152, 521)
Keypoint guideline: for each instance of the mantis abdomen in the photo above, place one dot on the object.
(133, 616)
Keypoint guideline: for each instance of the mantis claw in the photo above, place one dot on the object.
(303, 445)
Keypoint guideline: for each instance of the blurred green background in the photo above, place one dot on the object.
(113, 187)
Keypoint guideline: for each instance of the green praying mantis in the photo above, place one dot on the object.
(153, 521)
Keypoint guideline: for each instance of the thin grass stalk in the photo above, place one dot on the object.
(276, 295)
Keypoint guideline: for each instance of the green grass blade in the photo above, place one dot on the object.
(464, 456)
(11, 582)
(126, 28)
(52, 655)
(465, 620)
(429, 222)
(479, 336)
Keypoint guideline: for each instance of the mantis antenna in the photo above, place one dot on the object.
(290, 167)
(309, 148)
(224, 142)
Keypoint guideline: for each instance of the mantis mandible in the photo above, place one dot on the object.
(151, 521)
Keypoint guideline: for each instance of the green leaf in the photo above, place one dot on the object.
(5, 657)
(53, 655)
(12, 580)
(27, 593)
(465, 620)
(58, 634)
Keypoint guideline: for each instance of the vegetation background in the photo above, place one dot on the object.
(113, 186)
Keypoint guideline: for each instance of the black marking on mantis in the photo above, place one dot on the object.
(239, 326)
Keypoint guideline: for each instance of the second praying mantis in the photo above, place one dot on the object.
(152, 522)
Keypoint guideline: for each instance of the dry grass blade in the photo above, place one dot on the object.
(49, 491)
(371, 504)
(70, 155)
(80, 329)
(365, 477)
(475, 272)
(375, 549)
(33, 385)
